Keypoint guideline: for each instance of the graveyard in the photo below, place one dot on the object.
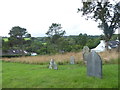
(60, 44)
(68, 75)
(16, 75)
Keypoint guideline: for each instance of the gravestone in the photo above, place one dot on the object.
(72, 60)
(94, 65)
(85, 52)
(53, 65)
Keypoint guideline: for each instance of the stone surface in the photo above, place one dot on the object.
(94, 65)
(72, 60)
(86, 49)
(85, 52)
(53, 65)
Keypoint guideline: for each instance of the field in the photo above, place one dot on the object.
(6, 39)
(33, 72)
(107, 57)
(19, 75)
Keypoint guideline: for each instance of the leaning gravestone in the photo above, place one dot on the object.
(85, 52)
(53, 65)
(72, 60)
(94, 65)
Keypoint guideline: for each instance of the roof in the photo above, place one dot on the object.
(13, 52)
(113, 44)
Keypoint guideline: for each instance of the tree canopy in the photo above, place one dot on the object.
(105, 13)
(55, 36)
(17, 35)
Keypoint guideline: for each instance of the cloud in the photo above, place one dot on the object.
(37, 15)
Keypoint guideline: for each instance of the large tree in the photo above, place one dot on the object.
(17, 37)
(106, 13)
(55, 34)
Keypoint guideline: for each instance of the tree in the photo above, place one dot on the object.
(82, 39)
(55, 33)
(16, 39)
(104, 12)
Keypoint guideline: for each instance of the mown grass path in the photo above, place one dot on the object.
(16, 75)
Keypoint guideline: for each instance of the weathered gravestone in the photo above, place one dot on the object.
(53, 65)
(85, 52)
(72, 60)
(94, 65)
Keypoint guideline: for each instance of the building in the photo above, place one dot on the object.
(102, 45)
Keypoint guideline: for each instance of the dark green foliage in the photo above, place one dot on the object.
(5, 46)
(16, 39)
(76, 43)
(55, 37)
(106, 13)
(67, 44)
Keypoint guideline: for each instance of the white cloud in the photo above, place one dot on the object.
(37, 15)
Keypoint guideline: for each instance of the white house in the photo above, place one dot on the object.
(100, 47)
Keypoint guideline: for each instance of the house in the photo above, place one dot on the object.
(14, 52)
(102, 45)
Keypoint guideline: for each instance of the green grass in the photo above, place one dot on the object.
(0, 75)
(17, 75)
(27, 38)
(6, 39)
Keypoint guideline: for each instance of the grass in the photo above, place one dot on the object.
(6, 39)
(62, 58)
(18, 75)
(0, 74)
(26, 38)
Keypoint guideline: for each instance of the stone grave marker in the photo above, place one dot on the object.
(55, 66)
(72, 60)
(85, 52)
(94, 65)
(52, 64)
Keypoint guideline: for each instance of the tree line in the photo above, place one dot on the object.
(55, 42)
(104, 12)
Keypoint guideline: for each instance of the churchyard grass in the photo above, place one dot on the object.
(62, 58)
(19, 75)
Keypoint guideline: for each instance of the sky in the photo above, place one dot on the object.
(38, 15)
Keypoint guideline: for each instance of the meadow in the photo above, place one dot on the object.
(18, 75)
(106, 57)
(33, 72)
(6, 39)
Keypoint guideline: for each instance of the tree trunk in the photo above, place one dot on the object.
(106, 45)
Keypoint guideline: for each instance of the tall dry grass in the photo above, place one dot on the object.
(62, 58)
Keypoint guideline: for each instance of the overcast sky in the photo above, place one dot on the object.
(37, 15)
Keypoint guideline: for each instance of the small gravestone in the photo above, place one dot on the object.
(85, 52)
(94, 65)
(53, 65)
(72, 60)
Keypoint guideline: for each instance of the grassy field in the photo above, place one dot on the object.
(18, 75)
(6, 39)
(63, 58)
